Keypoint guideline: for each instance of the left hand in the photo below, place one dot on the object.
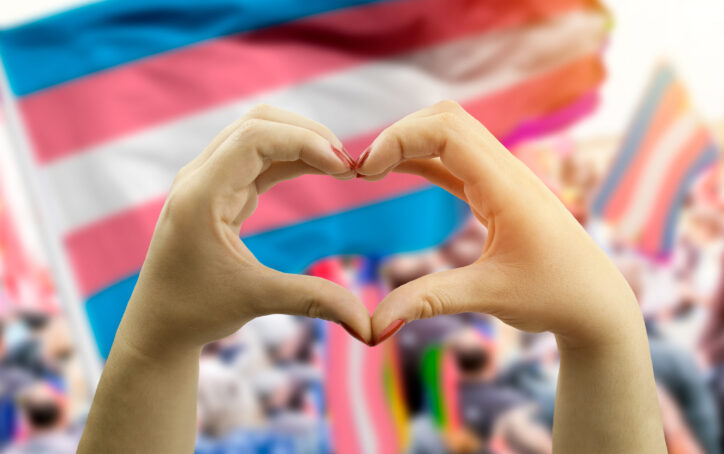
(199, 282)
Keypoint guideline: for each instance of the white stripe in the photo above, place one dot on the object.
(68, 293)
(116, 176)
(18, 13)
(361, 416)
(666, 149)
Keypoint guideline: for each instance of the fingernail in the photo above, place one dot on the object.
(352, 332)
(363, 157)
(389, 331)
(349, 157)
(344, 157)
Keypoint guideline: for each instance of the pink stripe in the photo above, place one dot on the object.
(336, 370)
(104, 252)
(670, 107)
(76, 115)
(450, 380)
(553, 122)
(502, 111)
(115, 247)
(652, 234)
(379, 410)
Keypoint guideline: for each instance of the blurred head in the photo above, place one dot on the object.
(223, 404)
(43, 408)
(57, 345)
(35, 321)
(466, 247)
(278, 334)
(473, 355)
(402, 269)
(704, 225)
(276, 390)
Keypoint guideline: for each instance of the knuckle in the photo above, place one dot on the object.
(248, 129)
(448, 105)
(313, 308)
(431, 305)
(260, 110)
(181, 204)
(181, 175)
(448, 119)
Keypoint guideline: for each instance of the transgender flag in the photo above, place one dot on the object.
(112, 98)
(663, 153)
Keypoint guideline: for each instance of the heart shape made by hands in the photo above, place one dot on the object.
(533, 271)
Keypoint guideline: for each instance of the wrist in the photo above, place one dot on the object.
(125, 345)
(144, 332)
(619, 322)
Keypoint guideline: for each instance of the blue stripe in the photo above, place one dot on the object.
(102, 35)
(411, 222)
(708, 157)
(634, 139)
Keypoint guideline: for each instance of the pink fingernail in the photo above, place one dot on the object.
(344, 157)
(389, 331)
(363, 157)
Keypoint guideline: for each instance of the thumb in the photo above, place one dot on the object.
(473, 288)
(310, 296)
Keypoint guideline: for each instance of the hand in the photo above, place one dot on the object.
(539, 270)
(199, 282)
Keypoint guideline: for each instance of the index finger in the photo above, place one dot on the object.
(277, 115)
(491, 177)
(256, 144)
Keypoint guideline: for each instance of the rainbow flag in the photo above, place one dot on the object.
(113, 97)
(440, 382)
(663, 153)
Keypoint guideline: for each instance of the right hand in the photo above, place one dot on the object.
(539, 269)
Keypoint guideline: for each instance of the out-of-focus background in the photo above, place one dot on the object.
(618, 106)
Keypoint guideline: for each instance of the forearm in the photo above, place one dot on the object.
(144, 403)
(606, 399)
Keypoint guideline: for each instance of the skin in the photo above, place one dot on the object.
(538, 271)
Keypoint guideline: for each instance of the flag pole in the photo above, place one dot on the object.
(68, 293)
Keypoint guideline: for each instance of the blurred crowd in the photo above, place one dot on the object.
(262, 390)
(42, 391)
(506, 379)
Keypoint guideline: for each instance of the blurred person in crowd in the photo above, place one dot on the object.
(415, 337)
(413, 341)
(534, 373)
(226, 401)
(679, 439)
(41, 345)
(486, 403)
(493, 415)
(712, 347)
(676, 371)
(12, 380)
(464, 248)
(578, 181)
(695, 272)
(44, 412)
(289, 411)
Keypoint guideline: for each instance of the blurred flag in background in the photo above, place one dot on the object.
(114, 97)
(25, 282)
(666, 149)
